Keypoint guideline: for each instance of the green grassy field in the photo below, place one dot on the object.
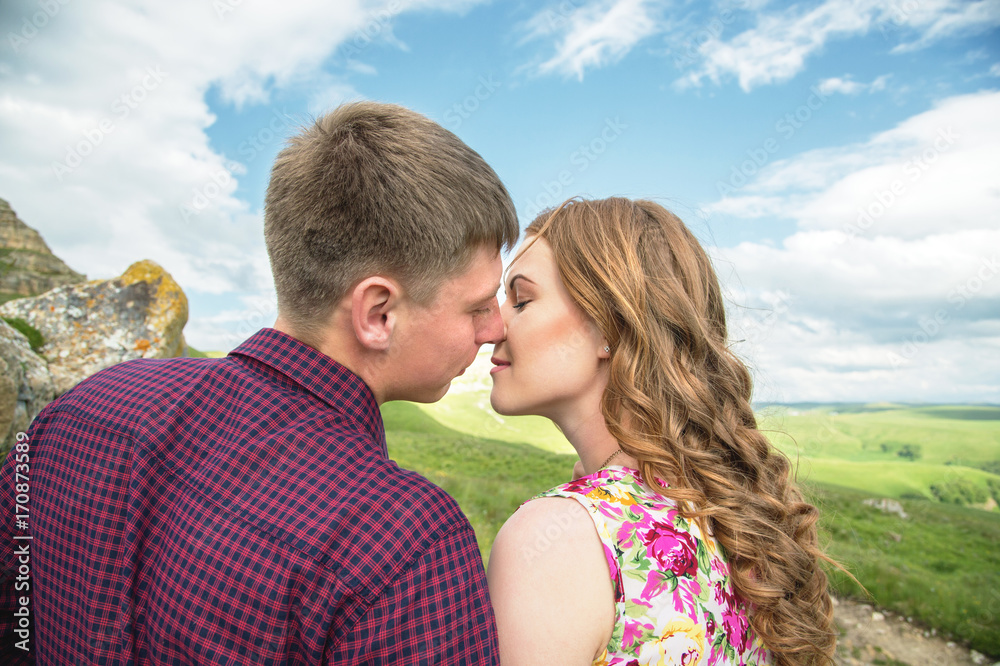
(941, 565)
(490, 478)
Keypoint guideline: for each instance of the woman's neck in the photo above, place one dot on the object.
(589, 435)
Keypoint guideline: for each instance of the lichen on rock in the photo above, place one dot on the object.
(88, 327)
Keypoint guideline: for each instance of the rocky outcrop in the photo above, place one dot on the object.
(25, 385)
(27, 265)
(91, 326)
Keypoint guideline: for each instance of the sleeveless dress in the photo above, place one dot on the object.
(672, 593)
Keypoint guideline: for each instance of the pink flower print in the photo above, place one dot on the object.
(684, 596)
(583, 483)
(633, 633)
(673, 550)
(719, 566)
(616, 573)
(626, 533)
(734, 620)
(656, 583)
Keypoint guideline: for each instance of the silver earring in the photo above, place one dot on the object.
(607, 349)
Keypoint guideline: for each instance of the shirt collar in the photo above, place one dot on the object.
(318, 374)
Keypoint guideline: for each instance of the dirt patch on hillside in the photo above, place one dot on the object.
(880, 638)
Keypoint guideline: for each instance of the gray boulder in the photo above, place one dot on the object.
(25, 386)
(90, 326)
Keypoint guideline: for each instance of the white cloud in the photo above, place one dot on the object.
(934, 171)
(782, 375)
(838, 85)
(846, 86)
(945, 18)
(823, 319)
(115, 93)
(591, 35)
(777, 48)
(885, 292)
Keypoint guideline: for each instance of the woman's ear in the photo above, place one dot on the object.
(373, 311)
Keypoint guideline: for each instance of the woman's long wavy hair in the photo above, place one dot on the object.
(678, 401)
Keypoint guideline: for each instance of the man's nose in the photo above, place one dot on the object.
(494, 329)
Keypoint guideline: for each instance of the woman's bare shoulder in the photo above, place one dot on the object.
(548, 556)
(549, 515)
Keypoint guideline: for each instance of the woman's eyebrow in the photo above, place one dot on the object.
(519, 276)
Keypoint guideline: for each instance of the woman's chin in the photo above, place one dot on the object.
(496, 404)
(501, 406)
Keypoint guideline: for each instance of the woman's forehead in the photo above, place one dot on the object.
(535, 253)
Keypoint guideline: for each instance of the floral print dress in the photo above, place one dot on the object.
(674, 601)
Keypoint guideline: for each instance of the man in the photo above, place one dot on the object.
(244, 510)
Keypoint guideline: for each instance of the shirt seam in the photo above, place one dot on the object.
(391, 579)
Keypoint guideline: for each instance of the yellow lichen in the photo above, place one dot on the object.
(168, 307)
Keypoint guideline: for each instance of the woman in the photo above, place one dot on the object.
(683, 540)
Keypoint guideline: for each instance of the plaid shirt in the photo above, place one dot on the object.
(234, 511)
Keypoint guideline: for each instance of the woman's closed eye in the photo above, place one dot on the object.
(520, 304)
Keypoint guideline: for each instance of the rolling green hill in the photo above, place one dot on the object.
(942, 452)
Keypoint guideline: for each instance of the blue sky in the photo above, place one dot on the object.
(839, 159)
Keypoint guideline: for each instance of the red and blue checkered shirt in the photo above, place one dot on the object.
(235, 511)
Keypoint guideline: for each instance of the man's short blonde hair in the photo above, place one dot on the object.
(377, 189)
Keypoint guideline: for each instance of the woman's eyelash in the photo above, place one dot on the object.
(518, 306)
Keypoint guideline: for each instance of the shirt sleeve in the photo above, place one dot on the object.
(437, 611)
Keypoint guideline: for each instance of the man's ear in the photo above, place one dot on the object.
(373, 311)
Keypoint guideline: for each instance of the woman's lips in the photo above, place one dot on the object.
(498, 365)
